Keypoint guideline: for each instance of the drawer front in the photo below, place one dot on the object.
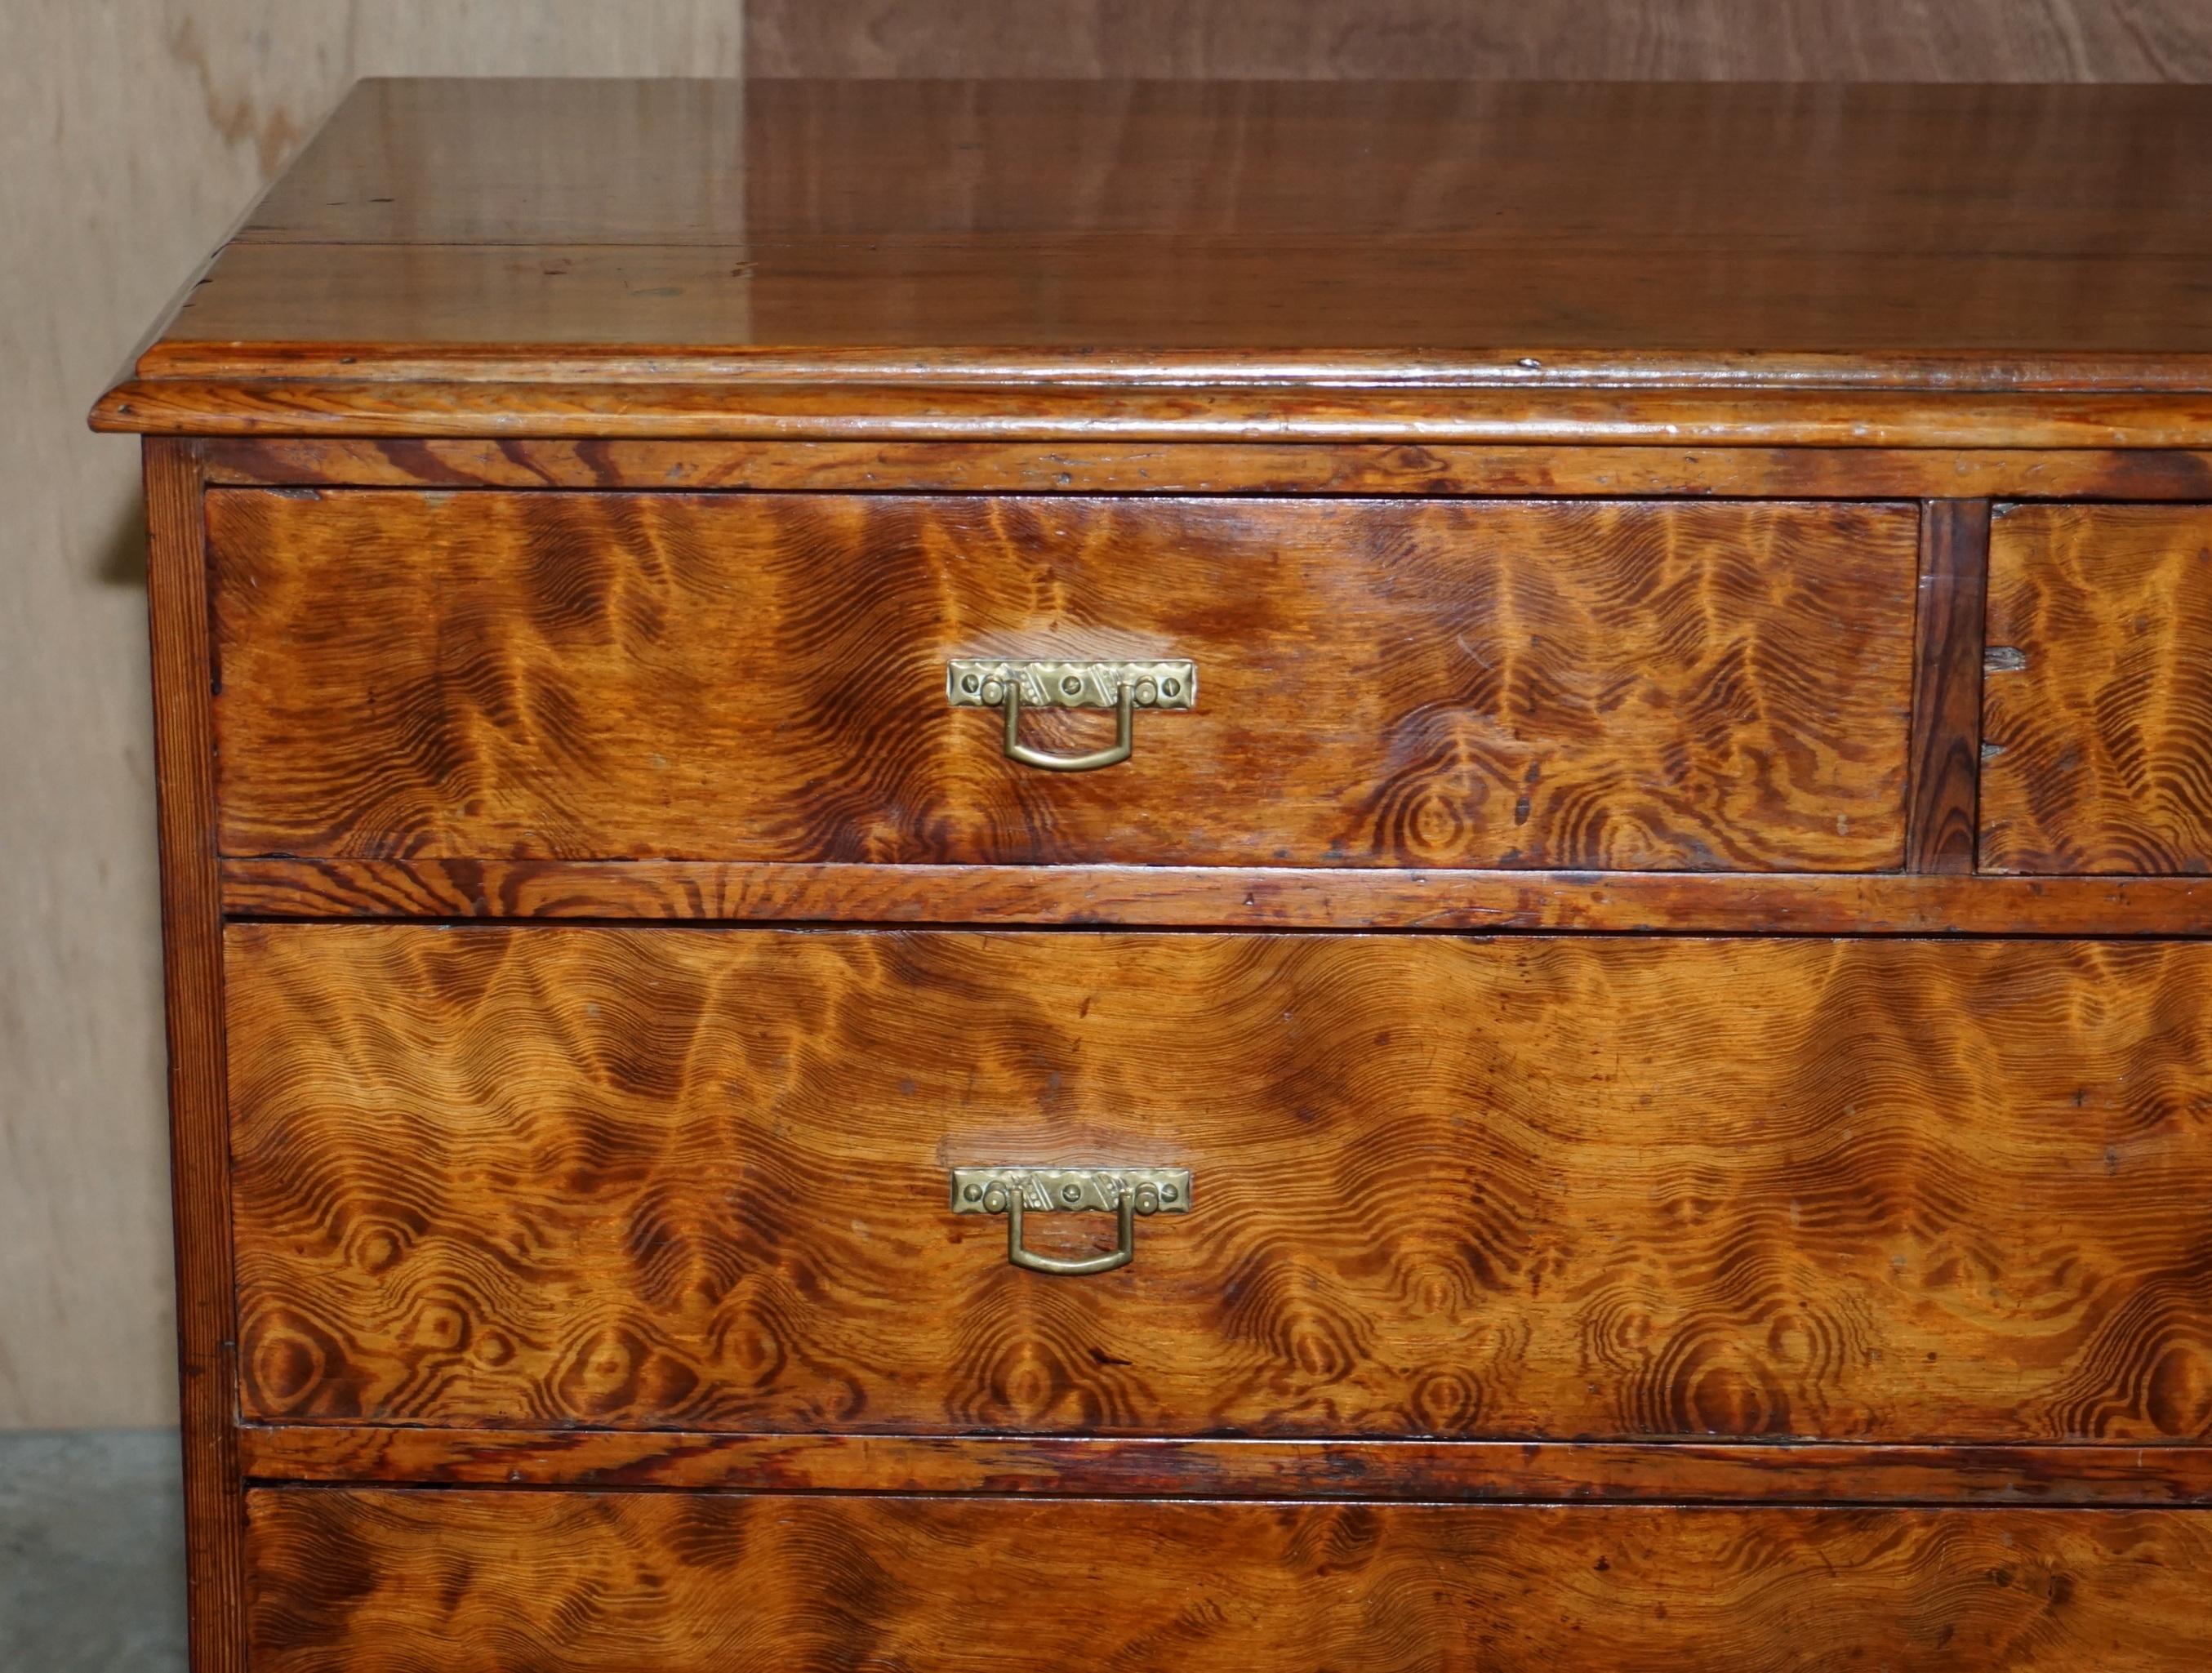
(1512, 1188)
(2097, 702)
(1654, 685)
(485, 1582)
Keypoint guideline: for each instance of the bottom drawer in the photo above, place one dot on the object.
(475, 1582)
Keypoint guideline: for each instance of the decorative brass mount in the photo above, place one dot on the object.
(1124, 687)
(1125, 1193)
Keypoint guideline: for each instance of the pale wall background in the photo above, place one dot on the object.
(133, 132)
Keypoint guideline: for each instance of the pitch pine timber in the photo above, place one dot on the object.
(1672, 941)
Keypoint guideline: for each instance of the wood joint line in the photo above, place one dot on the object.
(1941, 809)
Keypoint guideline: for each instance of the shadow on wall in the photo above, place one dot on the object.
(121, 560)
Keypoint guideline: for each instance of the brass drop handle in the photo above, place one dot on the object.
(1126, 1193)
(1124, 744)
(1124, 1252)
(1123, 687)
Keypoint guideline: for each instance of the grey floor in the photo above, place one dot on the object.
(91, 1552)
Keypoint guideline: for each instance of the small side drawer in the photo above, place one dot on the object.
(2097, 693)
(1643, 685)
(396, 1581)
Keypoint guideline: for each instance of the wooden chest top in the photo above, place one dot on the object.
(1524, 262)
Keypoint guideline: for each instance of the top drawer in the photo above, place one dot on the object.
(1597, 684)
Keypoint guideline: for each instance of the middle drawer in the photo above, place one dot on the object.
(1569, 1188)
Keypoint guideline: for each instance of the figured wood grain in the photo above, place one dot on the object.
(1216, 896)
(183, 753)
(1558, 1189)
(1947, 690)
(1187, 468)
(1526, 683)
(462, 1582)
(1451, 1471)
(2098, 696)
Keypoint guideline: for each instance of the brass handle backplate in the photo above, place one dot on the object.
(1125, 1193)
(1123, 687)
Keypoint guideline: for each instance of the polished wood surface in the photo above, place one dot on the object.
(1621, 685)
(1694, 40)
(1108, 468)
(1217, 897)
(530, 162)
(1563, 1188)
(1502, 1471)
(2099, 719)
(393, 1582)
(1444, 306)
(192, 908)
(517, 255)
(1245, 407)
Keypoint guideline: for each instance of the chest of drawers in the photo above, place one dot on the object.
(979, 876)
